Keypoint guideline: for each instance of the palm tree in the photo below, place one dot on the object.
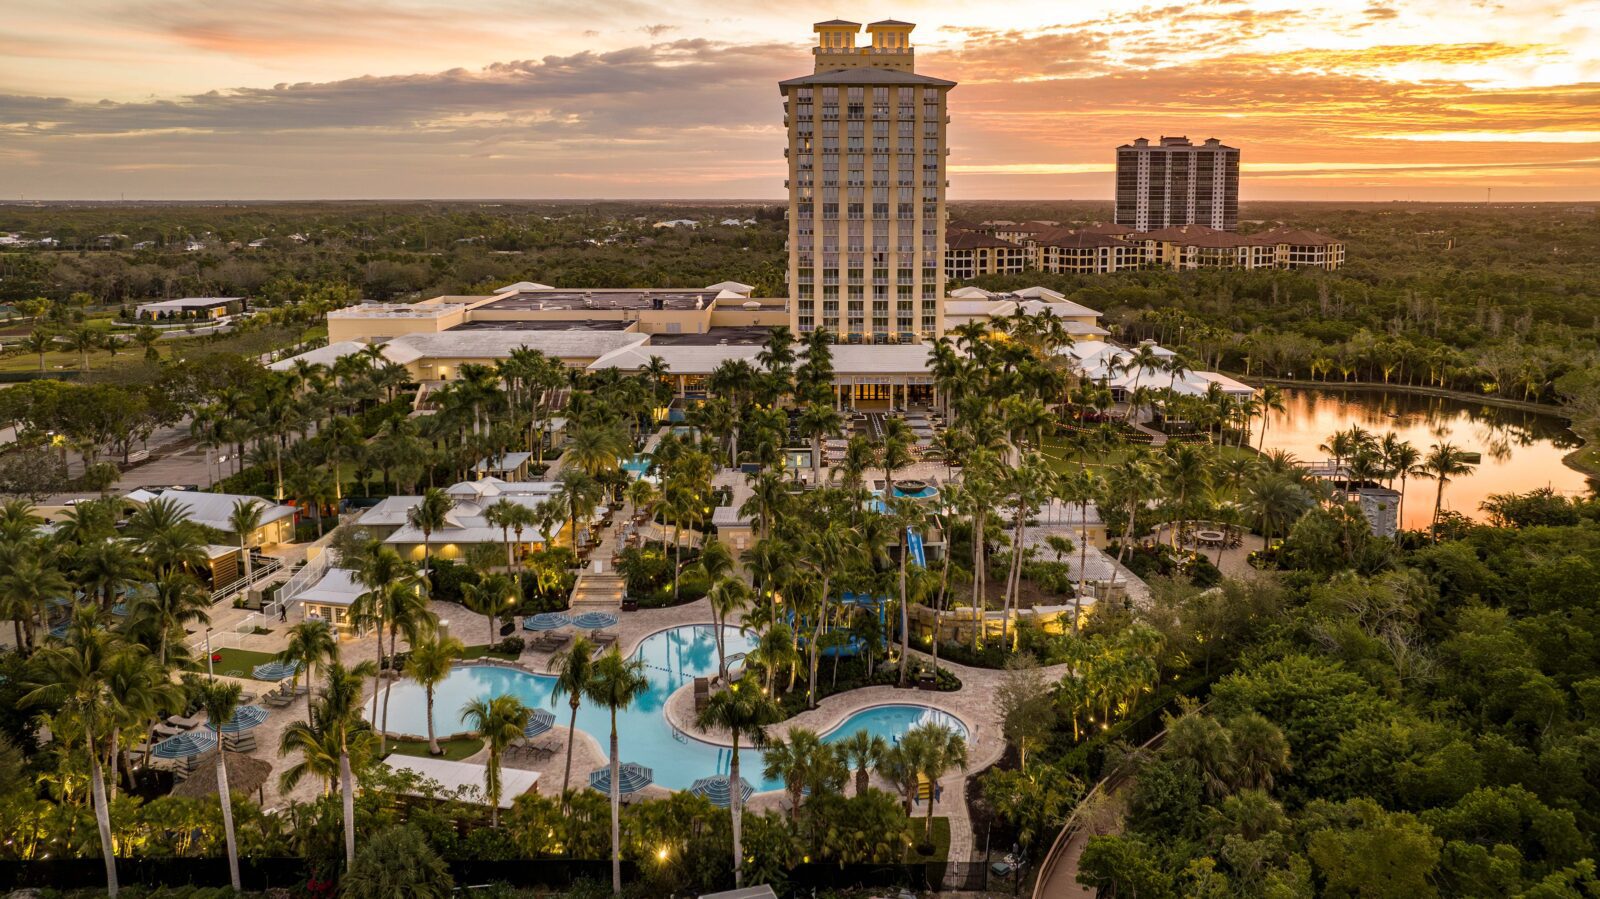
(491, 596)
(405, 605)
(29, 580)
(432, 660)
(574, 669)
(500, 721)
(862, 750)
(615, 683)
(936, 749)
(1270, 400)
(1401, 458)
(427, 516)
(310, 643)
(803, 762)
(819, 420)
(174, 601)
(72, 675)
(745, 712)
(1276, 502)
(1443, 462)
(220, 699)
(39, 341)
(243, 521)
(340, 712)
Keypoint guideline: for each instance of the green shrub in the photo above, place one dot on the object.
(397, 864)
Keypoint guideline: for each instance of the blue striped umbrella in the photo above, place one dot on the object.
(244, 718)
(60, 630)
(592, 620)
(545, 621)
(184, 745)
(540, 721)
(275, 670)
(632, 777)
(716, 790)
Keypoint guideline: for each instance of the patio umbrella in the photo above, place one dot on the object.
(244, 718)
(275, 670)
(60, 630)
(633, 778)
(593, 620)
(545, 621)
(184, 745)
(539, 721)
(716, 790)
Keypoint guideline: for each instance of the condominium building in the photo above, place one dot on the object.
(1174, 182)
(969, 254)
(867, 180)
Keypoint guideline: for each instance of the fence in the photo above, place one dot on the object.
(281, 873)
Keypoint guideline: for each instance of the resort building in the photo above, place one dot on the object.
(1070, 251)
(189, 308)
(1175, 182)
(867, 177)
(969, 254)
(466, 523)
(213, 510)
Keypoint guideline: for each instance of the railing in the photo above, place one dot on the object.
(260, 568)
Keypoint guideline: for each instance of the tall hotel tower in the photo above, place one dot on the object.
(1175, 182)
(866, 188)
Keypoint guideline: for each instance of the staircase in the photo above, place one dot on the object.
(598, 593)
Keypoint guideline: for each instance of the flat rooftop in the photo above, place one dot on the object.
(602, 300)
(745, 335)
(571, 324)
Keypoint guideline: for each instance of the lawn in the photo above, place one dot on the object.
(941, 840)
(457, 750)
(482, 651)
(244, 660)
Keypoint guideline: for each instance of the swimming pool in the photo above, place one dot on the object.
(636, 465)
(672, 658)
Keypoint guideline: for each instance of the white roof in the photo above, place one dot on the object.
(868, 359)
(190, 303)
(681, 360)
(500, 344)
(505, 462)
(338, 587)
(1062, 308)
(729, 517)
(390, 512)
(974, 307)
(732, 287)
(323, 355)
(521, 286)
(211, 509)
(456, 776)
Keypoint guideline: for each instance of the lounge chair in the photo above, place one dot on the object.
(166, 730)
(186, 723)
(603, 639)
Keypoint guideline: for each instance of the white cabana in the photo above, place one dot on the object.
(454, 776)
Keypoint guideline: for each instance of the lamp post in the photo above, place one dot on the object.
(210, 668)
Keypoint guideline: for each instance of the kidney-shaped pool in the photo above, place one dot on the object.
(672, 658)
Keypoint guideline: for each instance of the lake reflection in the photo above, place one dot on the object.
(1521, 451)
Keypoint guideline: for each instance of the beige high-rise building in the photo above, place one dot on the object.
(867, 181)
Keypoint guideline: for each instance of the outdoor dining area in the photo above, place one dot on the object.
(1209, 535)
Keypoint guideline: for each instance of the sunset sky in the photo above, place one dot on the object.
(1370, 100)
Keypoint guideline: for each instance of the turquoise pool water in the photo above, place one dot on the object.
(636, 465)
(672, 658)
(920, 493)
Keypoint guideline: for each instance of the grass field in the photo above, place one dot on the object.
(941, 840)
(482, 652)
(454, 750)
(239, 660)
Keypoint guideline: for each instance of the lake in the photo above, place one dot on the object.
(1522, 451)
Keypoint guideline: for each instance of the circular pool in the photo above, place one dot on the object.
(915, 489)
(672, 658)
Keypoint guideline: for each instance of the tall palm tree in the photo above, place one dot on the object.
(430, 515)
(39, 341)
(728, 596)
(1268, 401)
(174, 601)
(406, 610)
(310, 644)
(220, 699)
(615, 684)
(574, 669)
(819, 420)
(500, 721)
(243, 521)
(340, 712)
(744, 711)
(1443, 462)
(936, 749)
(163, 535)
(432, 660)
(72, 674)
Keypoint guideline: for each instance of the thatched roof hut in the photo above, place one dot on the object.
(246, 774)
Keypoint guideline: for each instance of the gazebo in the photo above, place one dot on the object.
(246, 774)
